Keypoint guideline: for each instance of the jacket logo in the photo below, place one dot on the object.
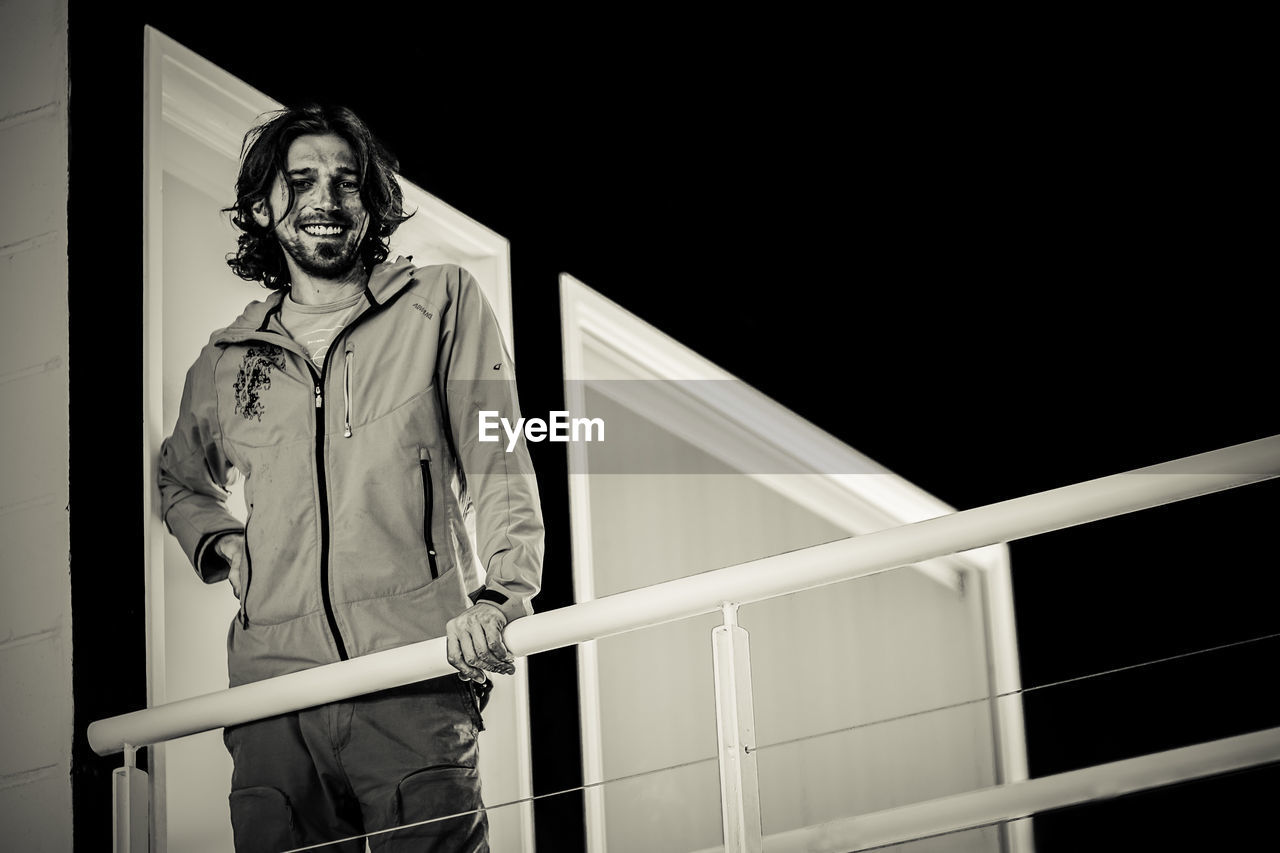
(255, 377)
(418, 306)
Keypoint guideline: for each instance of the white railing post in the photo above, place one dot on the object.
(131, 794)
(736, 729)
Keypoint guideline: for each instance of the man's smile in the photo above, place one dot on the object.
(323, 230)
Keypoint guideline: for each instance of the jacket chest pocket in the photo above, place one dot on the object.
(428, 509)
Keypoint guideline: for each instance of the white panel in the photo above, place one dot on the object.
(33, 55)
(35, 585)
(673, 809)
(33, 172)
(35, 816)
(34, 713)
(860, 768)
(33, 326)
(200, 818)
(863, 651)
(33, 421)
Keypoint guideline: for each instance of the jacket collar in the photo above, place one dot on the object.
(386, 280)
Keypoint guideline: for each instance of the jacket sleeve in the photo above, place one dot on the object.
(476, 373)
(194, 474)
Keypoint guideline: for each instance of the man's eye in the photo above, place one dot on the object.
(349, 186)
(301, 184)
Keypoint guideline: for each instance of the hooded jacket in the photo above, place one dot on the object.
(374, 512)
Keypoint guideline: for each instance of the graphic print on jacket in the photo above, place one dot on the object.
(255, 376)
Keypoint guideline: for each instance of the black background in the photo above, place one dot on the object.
(994, 265)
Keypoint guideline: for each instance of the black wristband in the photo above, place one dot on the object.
(490, 595)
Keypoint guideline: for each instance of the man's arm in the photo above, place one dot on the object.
(476, 373)
(193, 477)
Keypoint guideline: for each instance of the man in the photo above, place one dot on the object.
(348, 398)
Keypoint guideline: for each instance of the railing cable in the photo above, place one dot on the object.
(516, 802)
(631, 777)
(982, 700)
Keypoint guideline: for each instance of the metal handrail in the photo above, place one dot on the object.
(782, 574)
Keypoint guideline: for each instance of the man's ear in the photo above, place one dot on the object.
(261, 213)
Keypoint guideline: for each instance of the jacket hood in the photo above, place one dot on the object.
(387, 279)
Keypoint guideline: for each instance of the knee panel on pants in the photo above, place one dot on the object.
(436, 793)
(262, 819)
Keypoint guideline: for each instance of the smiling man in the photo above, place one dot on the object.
(346, 398)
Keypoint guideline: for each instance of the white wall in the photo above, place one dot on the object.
(35, 583)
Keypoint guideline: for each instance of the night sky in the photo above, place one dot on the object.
(993, 271)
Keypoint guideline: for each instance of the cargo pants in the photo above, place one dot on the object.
(364, 766)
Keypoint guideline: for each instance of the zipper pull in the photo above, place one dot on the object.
(319, 401)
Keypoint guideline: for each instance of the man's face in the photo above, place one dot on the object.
(323, 229)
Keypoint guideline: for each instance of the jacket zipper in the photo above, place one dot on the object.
(322, 487)
(428, 492)
(321, 482)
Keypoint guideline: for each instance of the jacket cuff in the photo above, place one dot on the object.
(511, 606)
(195, 522)
(208, 562)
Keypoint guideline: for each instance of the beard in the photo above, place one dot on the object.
(327, 259)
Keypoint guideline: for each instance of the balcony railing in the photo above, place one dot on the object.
(723, 590)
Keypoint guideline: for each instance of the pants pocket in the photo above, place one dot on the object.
(262, 820)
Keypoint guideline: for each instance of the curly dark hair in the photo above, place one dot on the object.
(263, 156)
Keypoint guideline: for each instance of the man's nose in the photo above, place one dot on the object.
(322, 197)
